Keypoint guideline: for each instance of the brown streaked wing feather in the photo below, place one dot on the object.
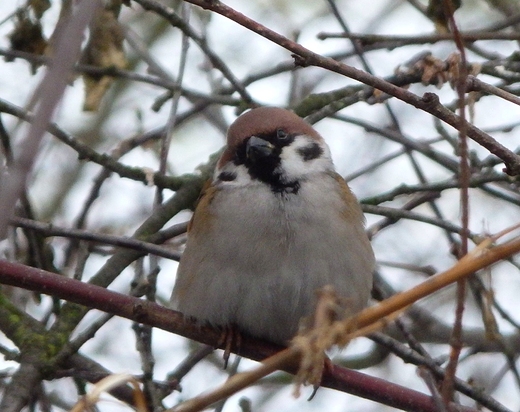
(352, 211)
(202, 206)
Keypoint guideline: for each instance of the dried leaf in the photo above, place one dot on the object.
(454, 61)
(104, 50)
(39, 7)
(433, 71)
(88, 402)
(27, 35)
(439, 15)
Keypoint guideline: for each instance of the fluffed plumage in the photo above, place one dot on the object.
(276, 224)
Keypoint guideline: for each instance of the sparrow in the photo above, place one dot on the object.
(275, 225)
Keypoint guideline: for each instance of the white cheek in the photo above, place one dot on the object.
(293, 166)
(242, 176)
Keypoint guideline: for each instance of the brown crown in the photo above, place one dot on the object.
(264, 120)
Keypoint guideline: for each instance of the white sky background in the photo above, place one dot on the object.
(124, 203)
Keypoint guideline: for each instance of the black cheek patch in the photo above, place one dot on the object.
(310, 152)
(227, 176)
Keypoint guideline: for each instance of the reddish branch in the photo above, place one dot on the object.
(304, 57)
(464, 178)
(149, 313)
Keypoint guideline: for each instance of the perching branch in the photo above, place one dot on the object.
(155, 315)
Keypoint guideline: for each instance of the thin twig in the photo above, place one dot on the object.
(429, 102)
(397, 41)
(48, 229)
(172, 118)
(411, 356)
(47, 97)
(85, 152)
(464, 177)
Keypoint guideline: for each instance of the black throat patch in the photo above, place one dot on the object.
(266, 169)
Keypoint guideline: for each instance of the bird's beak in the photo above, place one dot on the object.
(258, 148)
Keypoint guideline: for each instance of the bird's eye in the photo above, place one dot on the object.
(281, 134)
